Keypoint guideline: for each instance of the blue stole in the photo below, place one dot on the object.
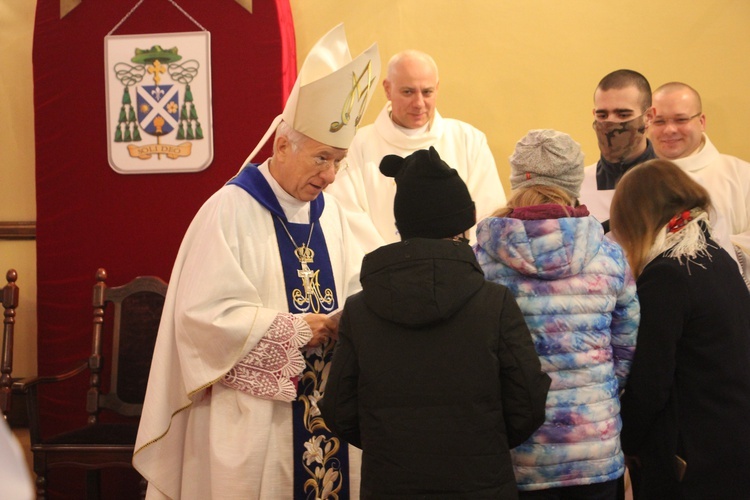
(321, 461)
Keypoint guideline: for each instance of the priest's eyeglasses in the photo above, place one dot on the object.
(322, 164)
(680, 121)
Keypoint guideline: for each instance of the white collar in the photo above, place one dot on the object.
(412, 132)
(295, 210)
(395, 136)
(699, 148)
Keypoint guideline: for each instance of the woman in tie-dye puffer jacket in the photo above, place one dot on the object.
(579, 299)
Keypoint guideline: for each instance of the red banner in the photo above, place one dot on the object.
(88, 215)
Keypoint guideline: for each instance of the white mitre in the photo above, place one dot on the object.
(331, 93)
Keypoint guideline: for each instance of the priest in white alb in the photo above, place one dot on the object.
(249, 322)
(408, 122)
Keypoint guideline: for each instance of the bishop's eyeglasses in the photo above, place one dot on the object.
(322, 164)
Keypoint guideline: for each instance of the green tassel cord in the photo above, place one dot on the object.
(127, 120)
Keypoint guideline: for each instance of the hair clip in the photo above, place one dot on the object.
(679, 221)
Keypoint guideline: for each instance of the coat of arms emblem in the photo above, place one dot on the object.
(159, 102)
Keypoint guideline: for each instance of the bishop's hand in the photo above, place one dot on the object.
(323, 328)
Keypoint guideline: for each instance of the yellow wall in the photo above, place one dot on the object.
(506, 66)
(514, 65)
(17, 201)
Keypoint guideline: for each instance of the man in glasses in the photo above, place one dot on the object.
(622, 114)
(678, 134)
(249, 320)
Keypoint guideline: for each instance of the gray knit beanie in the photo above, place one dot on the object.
(548, 158)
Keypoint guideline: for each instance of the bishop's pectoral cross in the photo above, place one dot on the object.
(313, 298)
(308, 278)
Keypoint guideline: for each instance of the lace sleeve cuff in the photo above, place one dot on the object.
(268, 369)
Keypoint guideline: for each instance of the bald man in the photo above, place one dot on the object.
(409, 122)
(678, 134)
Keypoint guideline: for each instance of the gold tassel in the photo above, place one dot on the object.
(67, 5)
(247, 4)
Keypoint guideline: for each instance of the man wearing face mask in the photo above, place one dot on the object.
(622, 113)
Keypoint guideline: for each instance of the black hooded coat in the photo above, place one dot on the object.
(434, 377)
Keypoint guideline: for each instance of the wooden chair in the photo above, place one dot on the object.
(10, 303)
(137, 308)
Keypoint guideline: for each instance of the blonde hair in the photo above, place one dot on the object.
(536, 195)
(645, 200)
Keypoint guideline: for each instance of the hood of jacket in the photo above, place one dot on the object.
(548, 249)
(420, 281)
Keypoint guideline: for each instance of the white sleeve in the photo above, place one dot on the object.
(351, 194)
(270, 369)
(15, 480)
(484, 181)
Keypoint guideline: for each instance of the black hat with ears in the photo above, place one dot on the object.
(432, 201)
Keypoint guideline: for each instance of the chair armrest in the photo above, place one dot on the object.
(23, 384)
(29, 387)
